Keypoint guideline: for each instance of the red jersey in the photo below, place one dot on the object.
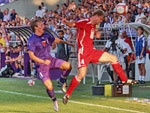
(85, 33)
(128, 40)
(85, 36)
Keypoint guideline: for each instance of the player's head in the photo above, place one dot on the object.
(98, 16)
(37, 26)
(140, 30)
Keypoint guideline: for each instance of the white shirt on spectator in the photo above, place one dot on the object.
(117, 52)
(39, 13)
(139, 5)
(43, 9)
(6, 17)
(107, 26)
(137, 19)
(125, 45)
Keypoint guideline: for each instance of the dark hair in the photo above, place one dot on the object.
(98, 13)
(40, 7)
(42, 3)
(57, 5)
(34, 23)
(140, 27)
(61, 31)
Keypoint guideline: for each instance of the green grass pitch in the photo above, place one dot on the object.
(17, 97)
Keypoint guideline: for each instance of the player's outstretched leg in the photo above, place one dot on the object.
(118, 69)
(51, 94)
(106, 57)
(74, 83)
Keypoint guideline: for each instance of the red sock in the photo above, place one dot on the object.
(72, 86)
(118, 69)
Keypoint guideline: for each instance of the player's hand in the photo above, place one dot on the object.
(98, 35)
(47, 62)
(64, 21)
(141, 57)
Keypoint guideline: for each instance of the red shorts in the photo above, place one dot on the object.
(87, 56)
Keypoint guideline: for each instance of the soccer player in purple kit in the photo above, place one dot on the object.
(39, 50)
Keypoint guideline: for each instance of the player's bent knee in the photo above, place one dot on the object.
(114, 59)
(66, 65)
(80, 77)
(50, 88)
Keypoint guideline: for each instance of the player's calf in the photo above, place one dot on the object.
(62, 82)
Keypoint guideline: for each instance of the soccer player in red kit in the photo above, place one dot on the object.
(86, 29)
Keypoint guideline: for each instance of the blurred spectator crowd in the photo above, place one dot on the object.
(139, 12)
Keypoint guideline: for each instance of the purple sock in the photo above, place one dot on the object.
(51, 93)
(62, 79)
(66, 72)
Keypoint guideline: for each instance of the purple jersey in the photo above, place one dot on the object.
(40, 45)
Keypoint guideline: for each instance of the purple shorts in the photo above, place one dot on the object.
(44, 71)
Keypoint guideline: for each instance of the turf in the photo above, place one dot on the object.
(17, 97)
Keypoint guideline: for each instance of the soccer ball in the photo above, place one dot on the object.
(122, 8)
(31, 82)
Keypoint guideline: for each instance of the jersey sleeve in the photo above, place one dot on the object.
(144, 42)
(81, 23)
(51, 38)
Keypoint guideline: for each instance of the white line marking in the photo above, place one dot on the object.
(88, 104)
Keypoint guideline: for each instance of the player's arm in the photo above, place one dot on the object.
(70, 24)
(78, 24)
(36, 59)
(98, 35)
(18, 58)
(141, 54)
(143, 48)
(57, 40)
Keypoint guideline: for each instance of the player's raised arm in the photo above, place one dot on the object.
(57, 40)
(70, 24)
